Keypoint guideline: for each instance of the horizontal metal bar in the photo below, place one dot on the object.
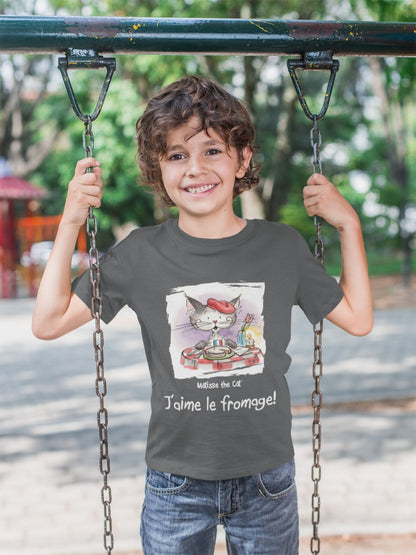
(205, 36)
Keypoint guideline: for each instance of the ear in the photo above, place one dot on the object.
(192, 305)
(246, 155)
(236, 302)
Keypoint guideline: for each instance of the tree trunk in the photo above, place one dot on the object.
(281, 178)
(251, 205)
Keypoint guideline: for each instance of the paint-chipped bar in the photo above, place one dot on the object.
(36, 34)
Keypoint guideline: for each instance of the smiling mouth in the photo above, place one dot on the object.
(200, 188)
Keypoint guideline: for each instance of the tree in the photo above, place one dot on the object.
(28, 130)
(393, 81)
(263, 82)
(22, 142)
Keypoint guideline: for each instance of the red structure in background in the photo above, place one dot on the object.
(12, 189)
(18, 235)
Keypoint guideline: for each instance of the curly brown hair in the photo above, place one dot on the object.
(174, 105)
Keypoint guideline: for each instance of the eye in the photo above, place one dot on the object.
(176, 156)
(213, 151)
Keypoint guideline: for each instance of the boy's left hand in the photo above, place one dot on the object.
(321, 198)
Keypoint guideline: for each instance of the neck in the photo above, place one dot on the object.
(207, 228)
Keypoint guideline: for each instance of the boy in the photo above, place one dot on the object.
(213, 294)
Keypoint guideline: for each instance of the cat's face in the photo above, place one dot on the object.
(209, 318)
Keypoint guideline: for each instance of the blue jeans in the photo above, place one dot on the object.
(259, 514)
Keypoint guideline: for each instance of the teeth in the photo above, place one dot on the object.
(200, 189)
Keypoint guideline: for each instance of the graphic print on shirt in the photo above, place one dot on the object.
(216, 329)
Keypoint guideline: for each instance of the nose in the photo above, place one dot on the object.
(195, 167)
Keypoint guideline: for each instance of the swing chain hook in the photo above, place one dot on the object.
(314, 61)
(86, 59)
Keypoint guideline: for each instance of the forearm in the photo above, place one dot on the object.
(57, 310)
(354, 279)
(354, 270)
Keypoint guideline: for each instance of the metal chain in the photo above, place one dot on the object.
(98, 342)
(317, 369)
(315, 61)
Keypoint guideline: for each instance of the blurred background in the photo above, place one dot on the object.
(368, 151)
(368, 134)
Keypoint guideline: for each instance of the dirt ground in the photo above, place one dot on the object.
(355, 545)
(403, 544)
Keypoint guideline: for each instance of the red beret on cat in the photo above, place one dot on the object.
(222, 306)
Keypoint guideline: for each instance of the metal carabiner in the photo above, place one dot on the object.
(317, 61)
(86, 59)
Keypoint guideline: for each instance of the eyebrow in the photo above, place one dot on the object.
(207, 143)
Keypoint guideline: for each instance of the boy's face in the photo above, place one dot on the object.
(199, 171)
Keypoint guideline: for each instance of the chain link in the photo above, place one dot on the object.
(98, 342)
(316, 141)
(317, 368)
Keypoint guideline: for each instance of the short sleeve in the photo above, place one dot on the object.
(317, 293)
(114, 284)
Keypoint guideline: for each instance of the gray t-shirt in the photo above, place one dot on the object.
(215, 317)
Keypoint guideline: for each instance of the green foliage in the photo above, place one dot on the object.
(352, 132)
(387, 10)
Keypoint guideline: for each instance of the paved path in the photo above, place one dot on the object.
(49, 478)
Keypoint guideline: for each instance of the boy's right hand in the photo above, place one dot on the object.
(84, 190)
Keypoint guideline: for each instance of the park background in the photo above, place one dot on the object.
(368, 134)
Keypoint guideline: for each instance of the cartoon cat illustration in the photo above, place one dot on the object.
(216, 328)
(213, 317)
